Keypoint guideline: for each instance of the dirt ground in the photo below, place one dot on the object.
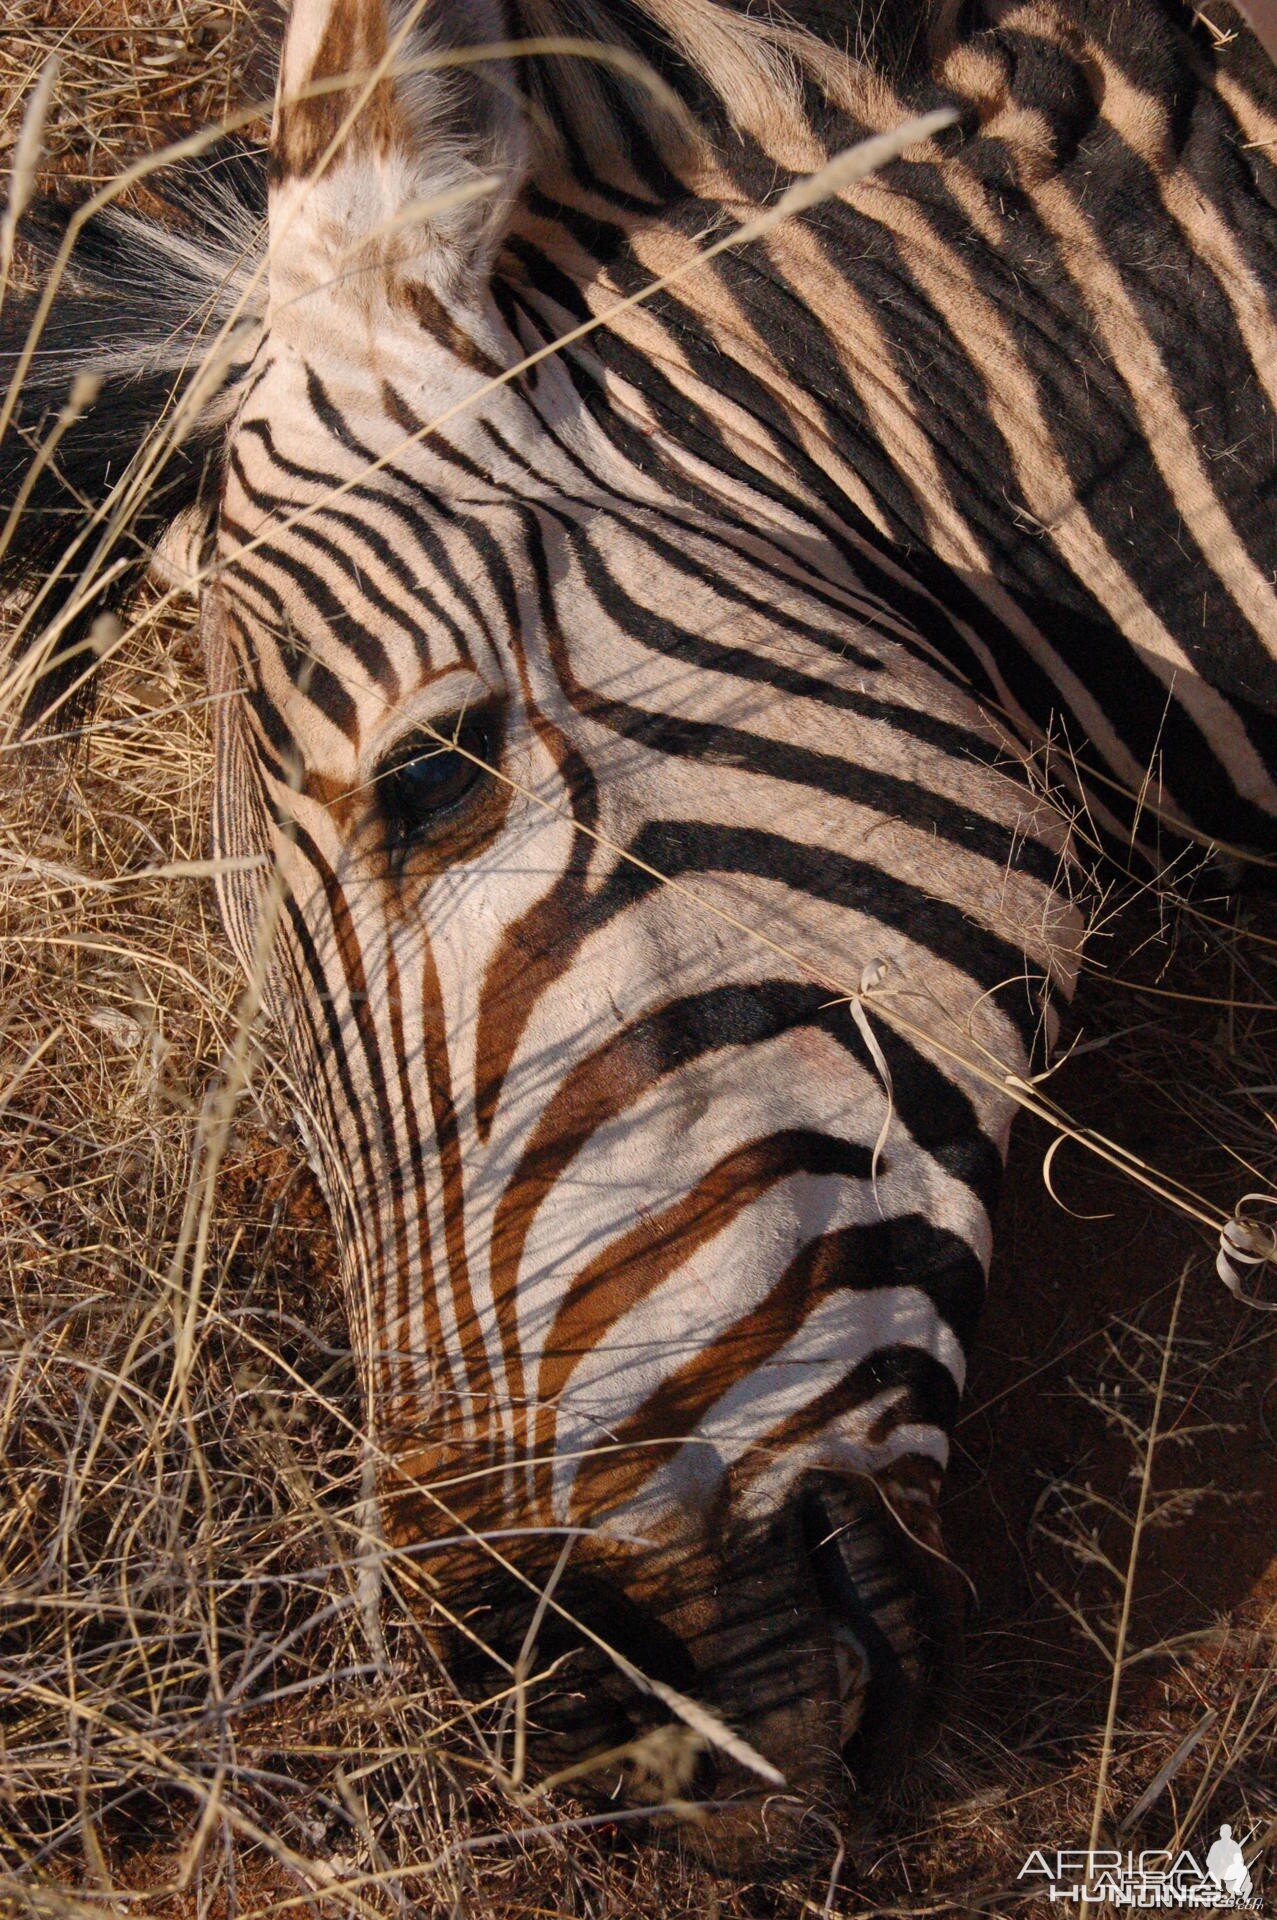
(1046, 1466)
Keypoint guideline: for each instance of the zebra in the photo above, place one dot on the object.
(651, 611)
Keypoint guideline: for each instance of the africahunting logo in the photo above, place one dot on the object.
(1107, 1877)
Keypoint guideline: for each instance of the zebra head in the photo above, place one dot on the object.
(653, 930)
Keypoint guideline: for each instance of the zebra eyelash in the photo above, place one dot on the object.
(430, 781)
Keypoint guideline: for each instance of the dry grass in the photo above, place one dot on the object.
(195, 1716)
(129, 74)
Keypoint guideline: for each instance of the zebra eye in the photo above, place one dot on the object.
(423, 784)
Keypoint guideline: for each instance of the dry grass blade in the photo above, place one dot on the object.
(26, 160)
(1128, 1584)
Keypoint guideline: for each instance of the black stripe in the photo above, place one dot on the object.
(676, 848)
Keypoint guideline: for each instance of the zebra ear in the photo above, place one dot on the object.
(396, 148)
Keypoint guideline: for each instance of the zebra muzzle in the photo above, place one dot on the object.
(823, 1640)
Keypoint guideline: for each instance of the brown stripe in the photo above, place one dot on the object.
(352, 46)
(443, 327)
(678, 1405)
(638, 1262)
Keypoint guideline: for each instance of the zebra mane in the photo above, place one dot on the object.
(741, 67)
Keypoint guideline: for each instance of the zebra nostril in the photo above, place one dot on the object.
(858, 1586)
(589, 1641)
(604, 1616)
(888, 1639)
(588, 1714)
